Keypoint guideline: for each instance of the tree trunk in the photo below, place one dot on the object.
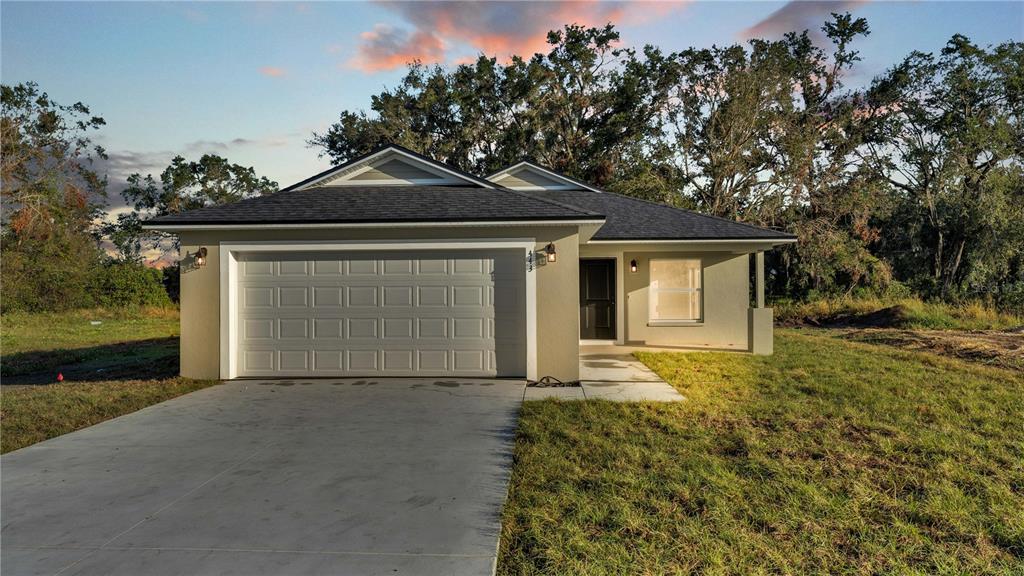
(954, 267)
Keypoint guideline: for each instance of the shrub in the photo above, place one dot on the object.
(51, 274)
(172, 282)
(120, 284)
(895, 313)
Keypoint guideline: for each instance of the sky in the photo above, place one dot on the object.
(253, 81)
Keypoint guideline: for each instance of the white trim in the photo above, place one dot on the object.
(543, 188)
(597, 342)
(395, 182)
(515, 169)
(651, 291)
(701, 241)
(337, 225)
(435, 166)
(229, 282)
(345, 177)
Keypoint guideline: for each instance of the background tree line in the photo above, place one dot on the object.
(52, 253)
(913, 183)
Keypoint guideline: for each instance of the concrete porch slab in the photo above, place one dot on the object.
(612, 373)
(608, 373)
(631, 391)
(565, 393)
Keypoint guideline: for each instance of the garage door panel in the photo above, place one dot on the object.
(397, 328)
(361, 268)
(362, 327)
(328, 360)
(258, 360)
(293, 361)
(328, 328)
(441, 313)
(397, 296)
(361, 296)
(289, 328)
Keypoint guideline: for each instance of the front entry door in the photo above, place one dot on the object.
(597, 299)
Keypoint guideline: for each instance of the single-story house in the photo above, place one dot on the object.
(394, 264)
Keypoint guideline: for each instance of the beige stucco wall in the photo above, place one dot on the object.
(726, 323)
(557, 289)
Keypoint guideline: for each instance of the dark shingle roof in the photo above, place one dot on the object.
(634, 219)
(361, 204)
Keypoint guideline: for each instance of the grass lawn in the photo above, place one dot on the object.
(830, 457)
(126, 362)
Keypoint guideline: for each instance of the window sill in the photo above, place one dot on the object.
(659, 323)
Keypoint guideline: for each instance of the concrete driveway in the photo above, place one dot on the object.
(396, 476)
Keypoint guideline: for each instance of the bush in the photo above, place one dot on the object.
(47, 275)
(121, 284)
(172, 282)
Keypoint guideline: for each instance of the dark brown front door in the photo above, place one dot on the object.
(597, 299)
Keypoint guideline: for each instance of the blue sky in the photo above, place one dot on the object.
(252, 81)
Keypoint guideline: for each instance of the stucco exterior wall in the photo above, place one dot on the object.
(726, 287)
(557, 288)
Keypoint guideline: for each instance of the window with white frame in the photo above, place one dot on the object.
(676, 294)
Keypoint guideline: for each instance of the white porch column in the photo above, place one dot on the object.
(759, 317)
(759, 278)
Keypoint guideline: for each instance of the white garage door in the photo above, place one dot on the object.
(448, 313)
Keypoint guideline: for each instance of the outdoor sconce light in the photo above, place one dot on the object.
(201, 257)
(549, 250)
(632, 265)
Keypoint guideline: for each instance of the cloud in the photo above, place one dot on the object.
(273, 71)
(797, 16)
(498, 28)
(386, 48)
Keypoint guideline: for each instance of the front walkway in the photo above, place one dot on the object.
(611, 373)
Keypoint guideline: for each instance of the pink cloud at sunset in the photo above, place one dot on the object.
(273, 71)
(386, 48)
(498, 29)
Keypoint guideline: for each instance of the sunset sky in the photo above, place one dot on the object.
(252, 81)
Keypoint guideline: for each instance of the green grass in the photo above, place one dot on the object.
(127, 362)
(125, 344)
(830, 457)
(917, 314)
(30, 414)
(25, 332)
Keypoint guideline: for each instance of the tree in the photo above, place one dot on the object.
(50, 194)
(184, 185)
(768, 135)
(955, 160)
(46, 166)
(587, 108)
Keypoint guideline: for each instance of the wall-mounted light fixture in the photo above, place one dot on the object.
(632, 265)
(201, 257)
(549, 251)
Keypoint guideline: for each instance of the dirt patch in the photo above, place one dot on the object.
(1002, 348)
(890, 317)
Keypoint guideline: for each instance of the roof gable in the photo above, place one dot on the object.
(533, 177)
(392, 166)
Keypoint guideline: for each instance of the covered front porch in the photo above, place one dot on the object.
(678, 296)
